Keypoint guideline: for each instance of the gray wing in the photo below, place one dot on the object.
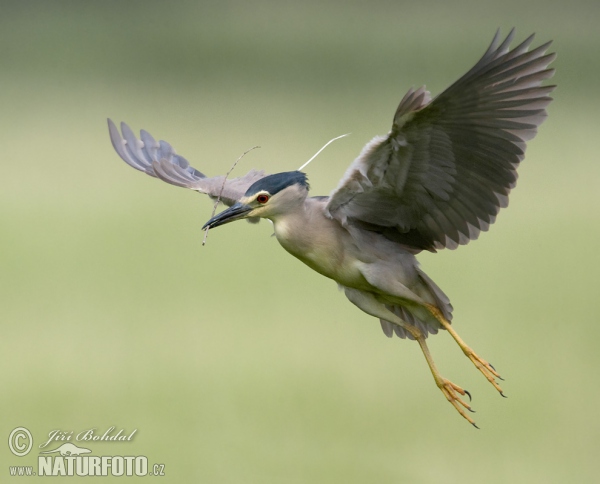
(158, 159)
(447, 166)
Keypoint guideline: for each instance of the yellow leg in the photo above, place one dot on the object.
(483, 366)
(449, 389)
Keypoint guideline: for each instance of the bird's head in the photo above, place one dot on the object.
(268, 197)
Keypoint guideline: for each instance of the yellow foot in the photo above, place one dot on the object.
(484, 367)
(451, 392)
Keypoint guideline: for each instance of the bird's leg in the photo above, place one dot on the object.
(370, 305)
(483, 366)
(450, 390)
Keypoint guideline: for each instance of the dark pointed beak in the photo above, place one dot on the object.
(237, 211)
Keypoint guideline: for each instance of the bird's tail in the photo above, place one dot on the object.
(442, 302)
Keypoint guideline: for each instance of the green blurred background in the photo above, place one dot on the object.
(234, 361)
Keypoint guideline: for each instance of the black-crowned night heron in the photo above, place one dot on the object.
(435, 181)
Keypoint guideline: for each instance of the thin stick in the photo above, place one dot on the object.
(223, 187)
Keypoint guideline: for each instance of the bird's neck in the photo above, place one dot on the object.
(290, 227)
(307, 234)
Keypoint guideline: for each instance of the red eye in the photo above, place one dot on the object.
(262, 198)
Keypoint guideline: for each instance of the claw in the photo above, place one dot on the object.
(469, 395)
(497, 376)
(484, 367)
(475, 425)
(503, 395)
(451, 392)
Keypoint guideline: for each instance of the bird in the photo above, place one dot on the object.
(435, 181)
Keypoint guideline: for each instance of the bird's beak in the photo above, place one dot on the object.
(237, 211)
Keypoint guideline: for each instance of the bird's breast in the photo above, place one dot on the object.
(323, 246)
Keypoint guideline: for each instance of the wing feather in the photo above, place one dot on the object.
(441, 175)
(158, 159)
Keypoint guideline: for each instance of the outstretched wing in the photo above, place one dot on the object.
(158, 159)
(447, 166)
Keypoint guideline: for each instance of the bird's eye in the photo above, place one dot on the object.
(262, 198)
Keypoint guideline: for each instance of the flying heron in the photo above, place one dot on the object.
(435, 181)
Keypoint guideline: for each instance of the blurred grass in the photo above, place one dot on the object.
(235, 362)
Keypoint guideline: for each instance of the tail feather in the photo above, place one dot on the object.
(442, 302)
(387, 328)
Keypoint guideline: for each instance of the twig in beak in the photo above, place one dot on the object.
(223, 187)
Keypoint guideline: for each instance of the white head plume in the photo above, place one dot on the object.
(325, 146)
